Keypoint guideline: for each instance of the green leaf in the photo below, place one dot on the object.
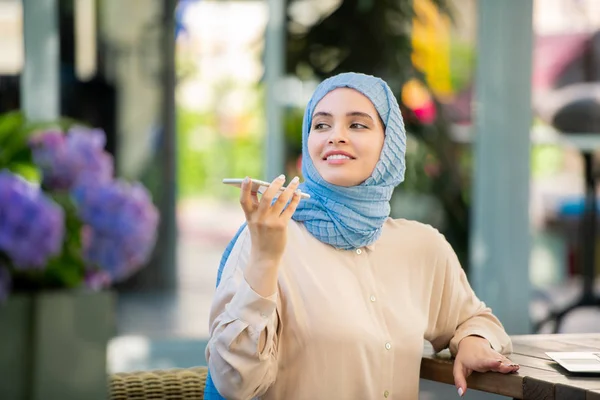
(22, 156)
(15, 145)
(9, 124)
(67, 269)
(27, 170)
(64, 272)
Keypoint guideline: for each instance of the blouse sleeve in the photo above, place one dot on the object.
(244, 329)
(455, 312)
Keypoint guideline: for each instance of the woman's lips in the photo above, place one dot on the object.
(337, 159)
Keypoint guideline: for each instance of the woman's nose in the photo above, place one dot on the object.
(338, 135)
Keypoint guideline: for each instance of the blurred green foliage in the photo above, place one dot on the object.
(206, 155)
(546, 160)
(462, 62)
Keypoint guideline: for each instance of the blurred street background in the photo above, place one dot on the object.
(193, 91)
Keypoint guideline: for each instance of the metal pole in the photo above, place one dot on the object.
(40, 80)
(274, 70)
(500, 241)
(168, 259)
(588, 250)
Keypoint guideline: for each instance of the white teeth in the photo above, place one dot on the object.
(338, 157)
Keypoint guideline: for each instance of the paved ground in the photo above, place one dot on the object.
(149, 323)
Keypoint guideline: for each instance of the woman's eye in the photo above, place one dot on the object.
(357, 126)
(321, 126)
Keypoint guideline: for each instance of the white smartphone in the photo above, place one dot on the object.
(258, 186)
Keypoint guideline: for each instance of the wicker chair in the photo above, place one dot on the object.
(174, 384)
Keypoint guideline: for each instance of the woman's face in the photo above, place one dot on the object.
(346, 137)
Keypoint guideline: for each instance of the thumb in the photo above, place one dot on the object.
(460, 378)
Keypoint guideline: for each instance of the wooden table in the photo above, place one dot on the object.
(539, 377)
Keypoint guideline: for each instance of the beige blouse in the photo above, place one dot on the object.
(344, 324)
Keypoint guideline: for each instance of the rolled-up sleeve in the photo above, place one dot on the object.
(242, 350)
(456, 312)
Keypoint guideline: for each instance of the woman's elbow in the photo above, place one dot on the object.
(232, 385)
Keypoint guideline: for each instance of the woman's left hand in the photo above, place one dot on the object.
(476, 354)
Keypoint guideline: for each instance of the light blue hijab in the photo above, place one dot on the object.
(352, 217)
(346, 217)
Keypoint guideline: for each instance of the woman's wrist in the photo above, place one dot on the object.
(261, 274)
(264, 260)
(475, 339)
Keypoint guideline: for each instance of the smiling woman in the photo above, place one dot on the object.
(346, 137)
(329, 298)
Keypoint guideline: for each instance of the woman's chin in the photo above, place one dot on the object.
(341, 180)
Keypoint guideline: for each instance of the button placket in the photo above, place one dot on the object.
(362, 261)
(372, 297)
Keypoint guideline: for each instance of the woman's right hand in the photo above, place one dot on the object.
(268, 220)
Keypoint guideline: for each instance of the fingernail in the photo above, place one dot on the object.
(295, 180)
(246, 179)
(281, 177)
(460, 392)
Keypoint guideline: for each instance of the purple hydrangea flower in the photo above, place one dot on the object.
(5, 283)
(66, 159)
(121, 226)
(32, 226)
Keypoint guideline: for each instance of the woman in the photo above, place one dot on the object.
(329, 298)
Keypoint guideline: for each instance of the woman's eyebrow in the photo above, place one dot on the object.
(359, 114)
(350, 114)
(322, 114)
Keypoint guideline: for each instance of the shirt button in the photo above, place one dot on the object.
(373, 298)
(386, 394)
(388, 346)
(358, 251)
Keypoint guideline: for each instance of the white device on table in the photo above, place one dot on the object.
(581, 362)
(259, 186)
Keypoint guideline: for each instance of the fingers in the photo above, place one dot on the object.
(291, 208)
(246, 197)
(286, 196)
(270, 193)
(460, 378)
(504, 365)
(497, 363)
